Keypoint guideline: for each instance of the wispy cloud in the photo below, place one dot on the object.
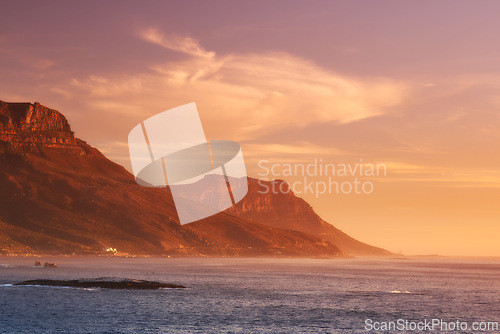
(186, 45)
(444, 176)
(241, 94)
(27, 59)
(305, 149)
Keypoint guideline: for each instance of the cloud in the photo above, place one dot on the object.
(302, 147)
(241, 95)
(27, 59)
(40, 64)
(173, 42)
(445, 176)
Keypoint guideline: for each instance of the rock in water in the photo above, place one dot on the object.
(106, 283)
(49, 265)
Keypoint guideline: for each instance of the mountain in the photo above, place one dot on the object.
(285, 210)
(60, 195)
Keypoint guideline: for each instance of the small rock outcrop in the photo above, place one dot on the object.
(50, 265)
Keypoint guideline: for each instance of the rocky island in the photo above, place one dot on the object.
(104, 283)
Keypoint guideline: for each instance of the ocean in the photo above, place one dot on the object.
(257, 295)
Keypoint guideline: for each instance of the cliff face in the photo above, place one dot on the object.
(285, 210)
(31, 128)
(276, 207)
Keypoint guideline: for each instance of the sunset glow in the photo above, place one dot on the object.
(418, 95)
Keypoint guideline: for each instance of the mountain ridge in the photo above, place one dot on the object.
(60, 195)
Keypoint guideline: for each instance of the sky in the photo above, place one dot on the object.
(412, 85)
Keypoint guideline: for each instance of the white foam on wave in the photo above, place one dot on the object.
(45, 286)
(398, 291)
(5, 285)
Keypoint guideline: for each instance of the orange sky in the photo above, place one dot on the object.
(413, 86)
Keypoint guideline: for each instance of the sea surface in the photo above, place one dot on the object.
(249, 295)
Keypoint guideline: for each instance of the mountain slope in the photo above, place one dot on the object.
(285, 210)
(60, 195)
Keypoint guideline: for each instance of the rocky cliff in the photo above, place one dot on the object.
(31, 128)
(285, 210)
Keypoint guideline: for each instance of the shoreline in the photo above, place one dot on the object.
(97, 256)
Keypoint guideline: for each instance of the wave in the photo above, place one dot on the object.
(405, 292)
(398, 291)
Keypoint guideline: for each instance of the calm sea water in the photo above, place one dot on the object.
(248, 295)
